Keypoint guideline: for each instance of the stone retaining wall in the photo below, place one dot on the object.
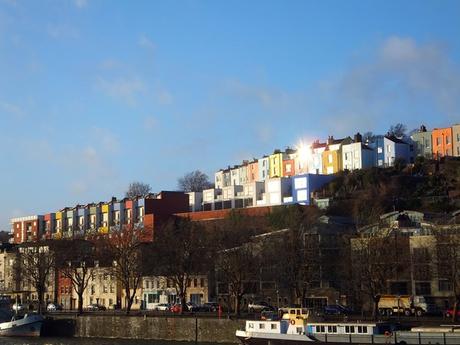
(137, 327)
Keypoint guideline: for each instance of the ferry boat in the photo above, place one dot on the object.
(28, 326)
(296, 328)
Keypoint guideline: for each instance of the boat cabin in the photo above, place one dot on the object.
(338, 328)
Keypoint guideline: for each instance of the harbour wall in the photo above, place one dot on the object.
(137, 327)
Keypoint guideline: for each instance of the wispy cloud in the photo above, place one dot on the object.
(126, 89)
(11, 109)
(401, 79)
(146, 42)
(80, 3)
(62, 31)
(150, 123)
(107, 139)
(163, 96)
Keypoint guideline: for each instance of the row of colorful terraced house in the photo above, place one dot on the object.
(293, 175)
(148, 212)
(336, 155)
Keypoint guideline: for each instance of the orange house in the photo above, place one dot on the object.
(288, 167)
(253, 171)
(442, 142)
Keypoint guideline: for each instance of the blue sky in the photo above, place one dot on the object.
(95, 94)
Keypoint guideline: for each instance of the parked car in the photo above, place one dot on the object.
(18, 307)
(449, 312)
(336, 309)
(95, 307)
(192, 307)
(259, 306)
(210, 306)
(162, 307)
(176, 308)
(53, 307)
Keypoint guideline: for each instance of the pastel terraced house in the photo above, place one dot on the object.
(276, 163)
(456, 140)
(332, 155)
(357, 155)
(442, 142)
(423, 143)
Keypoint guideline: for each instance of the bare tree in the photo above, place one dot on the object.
(237, 267)
(36, 262)
(137, 189)
(376, 258)
(181, 251)
(368, 137)
(125, 248)
(398, 130)
(78, 258)
(195, 181)
(297, 250)
(448, 261)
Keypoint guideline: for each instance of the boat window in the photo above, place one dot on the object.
(364, 329)
(347, 329)
(299, 330)
(250, 325)
(292, 311)
(331, 329)
(261, 326)
(274, 326)
(298, 312)
(320, 329)
(352, 329)
(360, 329)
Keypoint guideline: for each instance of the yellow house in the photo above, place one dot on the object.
(276, 163)
(105, 210)
(332, 156)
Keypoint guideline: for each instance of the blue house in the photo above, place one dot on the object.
(388, 148)
(304, 185)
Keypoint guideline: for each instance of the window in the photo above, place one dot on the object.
(261, 326)
(195, 282)
(202, 282)
(320, 329)
(349, 329)
(274, 326)
(299, 330)
(388, 148)
(438, 141)
(422, 288)
(331, 329)
(447, 140)
(444, 285)
(250, 325)
(330, 158)
(346, 155)
(379, 150)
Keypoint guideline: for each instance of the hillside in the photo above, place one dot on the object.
(427, 186)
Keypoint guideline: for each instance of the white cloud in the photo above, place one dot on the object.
(268, 97)
(62, 31)
(402, 81)
(81, 3)
(164, 97)
(145, 42)
(150, 122)
(122, 88)
(11, 109)
(107, 140)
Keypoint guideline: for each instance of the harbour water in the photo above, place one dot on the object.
(89, 341)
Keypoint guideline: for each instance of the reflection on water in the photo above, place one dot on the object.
(89, 341)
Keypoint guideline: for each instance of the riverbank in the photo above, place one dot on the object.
(209, 330)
